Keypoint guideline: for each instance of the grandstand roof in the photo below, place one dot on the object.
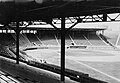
(77, 27)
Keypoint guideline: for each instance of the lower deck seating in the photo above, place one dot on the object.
(95, 40)
(111, 37)
(68, 41)
(33, 39)
(80, 40)
(4, 51)
(49, 40)
(7, 39)
(22, 40)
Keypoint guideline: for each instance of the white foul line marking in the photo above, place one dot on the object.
(98, 71)
(117, 79)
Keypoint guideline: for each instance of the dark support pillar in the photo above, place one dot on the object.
(63, 49)
(104, 17)
(17, 42)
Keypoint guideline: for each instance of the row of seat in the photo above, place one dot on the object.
(33, 39)
(54, 40)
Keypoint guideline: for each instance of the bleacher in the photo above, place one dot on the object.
(118, 44)
(4, 51)
(33, 39)
(80, 40)
(111, 37)
(7, 78)
(48, 40)
(22, 40)
(6, 39)
(58, 38)
(67, 40)
(30, 39)
(95, 40)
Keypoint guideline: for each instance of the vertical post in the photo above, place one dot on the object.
(17, 42)
(104, 17)
(63, 49)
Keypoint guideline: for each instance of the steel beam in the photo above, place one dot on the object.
(63, 49)
(17, 42)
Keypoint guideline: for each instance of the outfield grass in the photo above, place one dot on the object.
(78, 52)
(105, 70)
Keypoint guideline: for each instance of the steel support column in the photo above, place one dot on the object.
(17, 42)
(104, 17)
(63, 49)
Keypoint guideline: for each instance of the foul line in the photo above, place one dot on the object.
(97, 70)
(117, 79)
